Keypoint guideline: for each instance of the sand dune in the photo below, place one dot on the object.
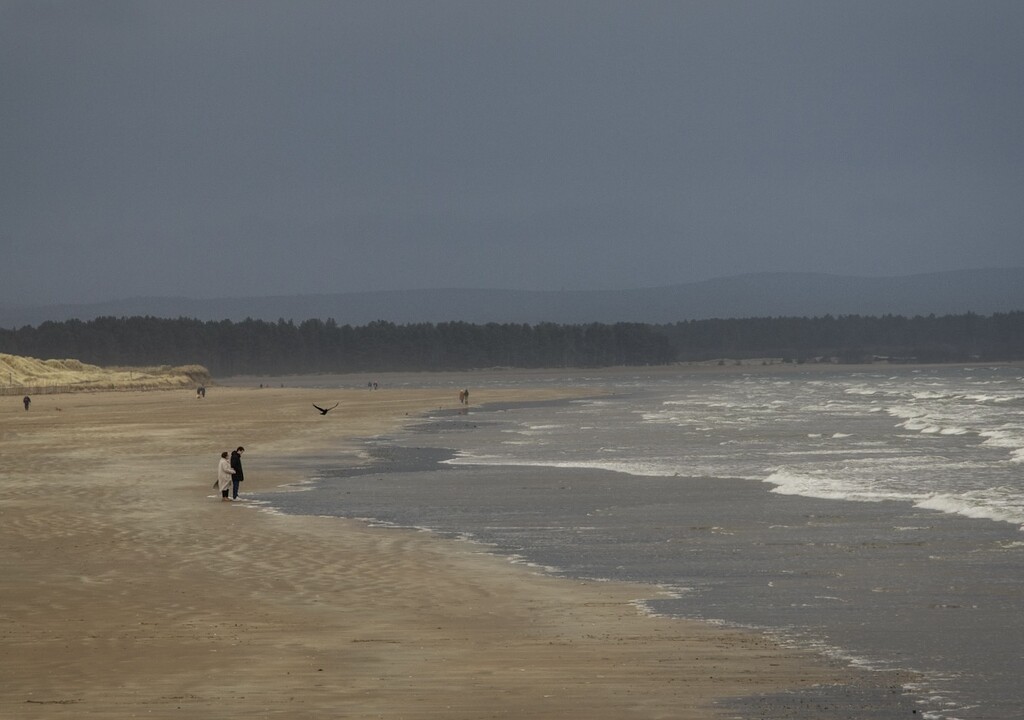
(21, 375)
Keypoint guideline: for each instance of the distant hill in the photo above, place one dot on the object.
(757, 295)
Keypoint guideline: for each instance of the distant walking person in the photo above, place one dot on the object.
(224, 473)
(28, 401)
(236, 466)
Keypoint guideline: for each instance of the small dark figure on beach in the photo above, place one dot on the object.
(236, 465)
(200, 392)
(324, 411)
(28, 401)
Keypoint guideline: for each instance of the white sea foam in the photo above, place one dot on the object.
(270, 510)
(1001, 504)
(830, 488)
(994, 504)
(929, 395)
(983, 398)
(627, 467)
(1005, 436)
(917, 420)
(862, 390)
(839, 453)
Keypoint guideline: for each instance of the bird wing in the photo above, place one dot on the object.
(318, 407)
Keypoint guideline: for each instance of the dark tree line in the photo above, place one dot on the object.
(854, 338)
(314, 346)
(259, 347)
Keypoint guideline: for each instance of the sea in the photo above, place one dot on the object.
(874, 514)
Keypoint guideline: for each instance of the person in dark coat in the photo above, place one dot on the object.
(236, 465)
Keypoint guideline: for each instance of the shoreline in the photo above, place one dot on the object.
(128, 588)
(389, 484)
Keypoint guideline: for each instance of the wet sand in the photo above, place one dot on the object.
(127, 588)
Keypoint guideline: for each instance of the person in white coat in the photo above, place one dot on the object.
(224, 473)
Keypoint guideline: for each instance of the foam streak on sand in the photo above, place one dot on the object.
(127, 589)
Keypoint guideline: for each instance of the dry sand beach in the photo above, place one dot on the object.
(128, 589)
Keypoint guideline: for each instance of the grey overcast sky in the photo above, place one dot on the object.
(215, 148)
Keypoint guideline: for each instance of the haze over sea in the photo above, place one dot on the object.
(872, 513)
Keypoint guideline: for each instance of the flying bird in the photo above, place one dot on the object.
(324, 411)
